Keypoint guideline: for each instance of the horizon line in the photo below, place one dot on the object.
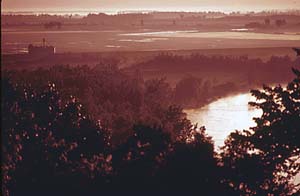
(111, 11)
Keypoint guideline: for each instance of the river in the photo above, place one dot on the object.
(225, 115)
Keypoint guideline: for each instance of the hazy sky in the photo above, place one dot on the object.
(185, 5)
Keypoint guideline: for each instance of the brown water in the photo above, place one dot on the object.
(222, 35)
(225, 115)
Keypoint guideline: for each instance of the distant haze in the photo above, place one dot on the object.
(165, 5)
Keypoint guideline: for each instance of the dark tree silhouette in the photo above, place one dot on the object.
(48, 143)
(263, 161)
(51, 145)
(137, 160)
(191, 168)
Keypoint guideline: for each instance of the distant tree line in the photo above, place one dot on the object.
(52, 24)
(267, 23)
(152, 18)
(253, 70)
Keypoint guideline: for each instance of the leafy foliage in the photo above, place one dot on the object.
(44, 139)
(267, 157)
(52, 145)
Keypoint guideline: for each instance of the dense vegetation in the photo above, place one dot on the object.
(97, 130)
(199, 79)
(119, 100)
(151, 18)
(251, 70)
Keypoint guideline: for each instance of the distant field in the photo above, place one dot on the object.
(142, 40)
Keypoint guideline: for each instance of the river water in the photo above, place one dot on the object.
(225, 115)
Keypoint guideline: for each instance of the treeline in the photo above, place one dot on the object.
(125, 98)
(151, 18)
(274, 70)
(52, 145)
(42, 20)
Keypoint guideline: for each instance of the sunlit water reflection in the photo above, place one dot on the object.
(234, 34)
(225, 115)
